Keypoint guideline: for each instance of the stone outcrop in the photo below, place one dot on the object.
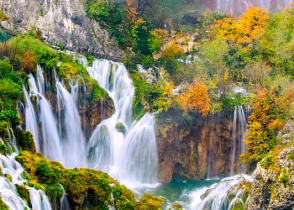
(61, 22)
(193, 147)
(273, 179)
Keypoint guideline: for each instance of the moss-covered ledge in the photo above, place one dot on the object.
(82, 186)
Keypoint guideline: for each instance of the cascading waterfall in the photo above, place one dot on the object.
(67, 147)
(49, 143)
(238, 135)
(216, 197)
(8, 190)
(124, 148)
(73, 140)
(129, 155)
(240, 6)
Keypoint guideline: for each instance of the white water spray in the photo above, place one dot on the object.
(238, 135)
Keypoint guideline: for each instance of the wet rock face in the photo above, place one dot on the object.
(192, 146)
(63, 22)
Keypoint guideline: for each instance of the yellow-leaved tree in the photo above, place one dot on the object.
(247, 28)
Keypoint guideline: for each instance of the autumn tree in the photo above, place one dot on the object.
(247, 28)
(195, 97)
(269, 114)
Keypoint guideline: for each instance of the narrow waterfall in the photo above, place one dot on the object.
(129, 153)
(8, 190)
(240, 6)
(238, 135)
(49, 144)
(73, 141)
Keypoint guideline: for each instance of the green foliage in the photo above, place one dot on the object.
(285, 179)
(25, 140)
(151, 97)
(267, 162)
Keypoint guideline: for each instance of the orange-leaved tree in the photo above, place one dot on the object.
(195, 97)
(247, 28)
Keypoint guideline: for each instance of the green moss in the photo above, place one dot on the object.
(238, 206)
(24, 193)
(284, 178)
(176, 206)
(120, 128)
(95, 186)
(267, 162)
(3, 206)
(25, 140)
(150, 202)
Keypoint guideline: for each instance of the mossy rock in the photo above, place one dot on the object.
(25, 140)
(120, 127)
(150, 202)
(82, 186)
(176, 206)
(238, 205)
(24, 194)
(3, 205)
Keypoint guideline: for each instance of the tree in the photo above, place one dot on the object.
(195, 97)
(249, 27)
(269, 114)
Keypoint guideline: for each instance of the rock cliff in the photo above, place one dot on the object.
(61, 22)
(193, 147)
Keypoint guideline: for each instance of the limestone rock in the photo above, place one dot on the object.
(184, 144)
(61, 22)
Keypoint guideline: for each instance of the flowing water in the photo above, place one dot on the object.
(238, 145)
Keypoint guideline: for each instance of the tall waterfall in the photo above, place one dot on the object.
(240, 6)
(130, 155)
(238, 135)
(124, 148)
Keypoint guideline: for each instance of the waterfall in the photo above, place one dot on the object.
(8, 191)
(73, 143)
(124, 148)
(238, 135)
(129, 153)
(217, 197)
(30, 119)
(51, 147)
(240, 6)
